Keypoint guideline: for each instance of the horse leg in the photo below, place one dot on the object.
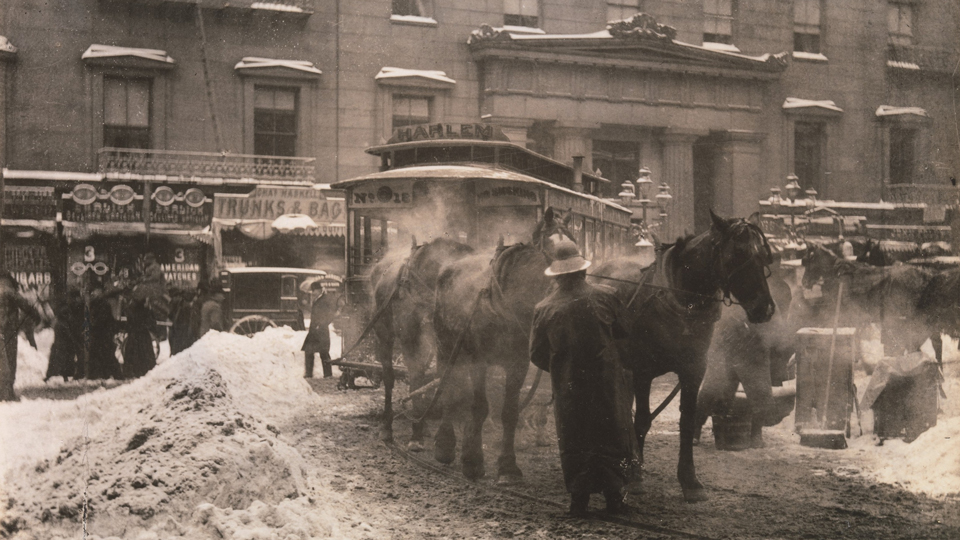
(472, 457)
(693, 490)
(416, 363)
(642, 419)
(507, 470)
(445, 440)
(385, 357)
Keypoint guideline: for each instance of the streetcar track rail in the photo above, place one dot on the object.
(609, 518)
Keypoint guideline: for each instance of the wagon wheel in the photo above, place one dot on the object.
(251, 324)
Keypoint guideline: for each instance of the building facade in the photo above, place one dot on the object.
(720, 99)
(179, 128)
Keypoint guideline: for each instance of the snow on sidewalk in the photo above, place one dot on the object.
(191, 450)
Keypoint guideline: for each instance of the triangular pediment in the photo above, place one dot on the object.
(640, 41)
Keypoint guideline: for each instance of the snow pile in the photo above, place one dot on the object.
(929, 465)
(191, 450)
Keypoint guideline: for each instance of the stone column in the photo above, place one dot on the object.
(678, 174)
(573, 142)
(738, 185)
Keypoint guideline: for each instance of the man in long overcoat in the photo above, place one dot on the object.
(572, 339)
(322, 313)
(11, 306)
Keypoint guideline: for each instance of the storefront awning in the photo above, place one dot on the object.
(43, 225)
(262, 229)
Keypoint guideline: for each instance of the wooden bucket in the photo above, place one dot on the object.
(731, 432)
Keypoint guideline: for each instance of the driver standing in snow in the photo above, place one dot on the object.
(322, 313)
(572, 339)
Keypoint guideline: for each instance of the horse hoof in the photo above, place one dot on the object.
(444, 455)
(386, 435)
(634, 487)
(696, 442)
(693, 495)
(509, 480)
(473, 471)
(415, 446)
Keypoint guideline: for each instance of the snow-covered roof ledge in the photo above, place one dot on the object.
(97, 51)
(413, 20)
(276, 6)
(414, 77)
(890, 110)
(277, 68)
(797, 104)
(725, 47)
(902, 65)
(7, 50)
(812, 57)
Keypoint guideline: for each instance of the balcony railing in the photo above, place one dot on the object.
(206, 164)
(279, 6)
(930, 194)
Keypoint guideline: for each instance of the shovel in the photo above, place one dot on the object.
(822, 437)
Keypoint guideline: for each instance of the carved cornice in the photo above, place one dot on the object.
(641, 26)
(488, 33)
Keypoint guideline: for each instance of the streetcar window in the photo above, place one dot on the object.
(255, 291)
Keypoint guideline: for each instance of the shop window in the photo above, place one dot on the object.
(618, 10)
(718, 21)
(521, 13)
(274, 121)
(903, 145)
(411, 110)
(126, 113)
(415, 8)
(809, 141)
(900, 23)
(806, 26)
(618, 161)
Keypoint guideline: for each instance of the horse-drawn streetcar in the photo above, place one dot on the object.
(470, 184)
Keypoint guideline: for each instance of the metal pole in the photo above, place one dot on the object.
(3, 196)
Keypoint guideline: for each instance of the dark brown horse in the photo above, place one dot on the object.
(488, 306)
(670, 309)
(887, 295)
(404, 289)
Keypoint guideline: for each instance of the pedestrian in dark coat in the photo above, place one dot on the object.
(181, 331)
(103, 331)
(67, 338)
(15, 312)
(572, 339)
(322, 313)
(211, 313)
(139, 356)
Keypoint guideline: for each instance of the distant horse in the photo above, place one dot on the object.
(888, 295)
(490, 304)
(405, 290)
(939, 304)
(671, 307)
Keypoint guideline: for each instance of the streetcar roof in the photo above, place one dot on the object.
(546, 162)
(461, 172)
(274, 270)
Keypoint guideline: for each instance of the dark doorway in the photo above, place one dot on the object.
(809, 139)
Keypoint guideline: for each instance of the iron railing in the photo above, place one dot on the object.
(280, 6)
(205, 164)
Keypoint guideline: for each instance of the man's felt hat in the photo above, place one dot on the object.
(567, 260)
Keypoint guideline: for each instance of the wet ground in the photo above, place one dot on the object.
(753, 493)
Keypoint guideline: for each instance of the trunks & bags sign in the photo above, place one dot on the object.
(267, 203)
(121, 203)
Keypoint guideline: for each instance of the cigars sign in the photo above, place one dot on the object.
(271, 203)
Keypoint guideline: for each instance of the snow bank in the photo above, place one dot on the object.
(191, 450)
(929, 465)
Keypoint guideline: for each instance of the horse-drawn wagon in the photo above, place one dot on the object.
(261, 297)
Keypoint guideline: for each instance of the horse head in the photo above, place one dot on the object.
(743, 259)
(551, 229)
(818, 263)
